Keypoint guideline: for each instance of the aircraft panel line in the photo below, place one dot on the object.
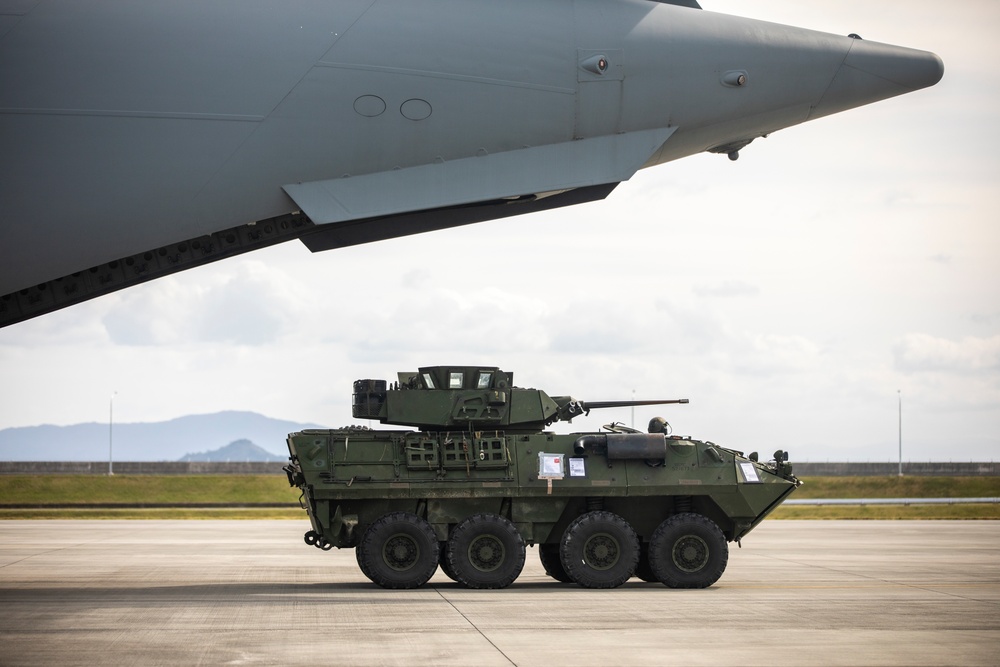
(179, 115)
(430, 74)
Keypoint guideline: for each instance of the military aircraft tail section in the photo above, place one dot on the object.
(873, 71)
(139, 138)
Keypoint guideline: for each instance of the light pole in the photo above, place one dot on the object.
(899, 394)
(633, 409)
(111, 430)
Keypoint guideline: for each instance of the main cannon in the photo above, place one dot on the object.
(480, 479)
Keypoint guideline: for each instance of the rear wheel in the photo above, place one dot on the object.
(485, 551)
(549, 555)
(599, 550)
(688, 551)
(443, 561)
(400, 550)
(642, 569)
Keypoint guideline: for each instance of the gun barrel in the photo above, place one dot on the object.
(597, 405)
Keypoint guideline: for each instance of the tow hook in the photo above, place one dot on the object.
(314, 539)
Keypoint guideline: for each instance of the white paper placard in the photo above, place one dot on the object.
(749, 472)
(550, 466)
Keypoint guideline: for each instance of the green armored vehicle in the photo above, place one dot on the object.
(476, 478)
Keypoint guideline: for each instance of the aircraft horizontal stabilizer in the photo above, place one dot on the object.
(512, 174)
(341, 235)
(693, 4)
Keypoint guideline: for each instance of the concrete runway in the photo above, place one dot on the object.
(252, 593)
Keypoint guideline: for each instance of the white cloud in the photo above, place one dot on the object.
(155, 315)
(250, 303)
(915, 353)
(727, 289)
(770, 354)
(435, 321)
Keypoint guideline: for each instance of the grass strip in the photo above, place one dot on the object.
(882, 512)
(83, 490)
(145, 489)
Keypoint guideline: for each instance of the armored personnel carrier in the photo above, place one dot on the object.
(476, 478)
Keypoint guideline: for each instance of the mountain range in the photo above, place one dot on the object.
(150, 441)
(240, 450)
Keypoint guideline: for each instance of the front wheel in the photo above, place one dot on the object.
(399, 550)
(599, 550)
(688, 551)
(485, 551)
(362, 564)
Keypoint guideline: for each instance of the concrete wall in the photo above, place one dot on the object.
(261, 468)
(928, 469)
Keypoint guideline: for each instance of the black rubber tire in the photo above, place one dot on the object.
(688, 551)
(443, 561)
(599, 550)
(549, 555)
(485, 551)
(361, 564)
(642, 569)
(399, 550)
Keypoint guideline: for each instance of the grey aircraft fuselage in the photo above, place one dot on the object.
(139, 138)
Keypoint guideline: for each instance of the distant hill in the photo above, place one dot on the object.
(240, 450)
(154, 441)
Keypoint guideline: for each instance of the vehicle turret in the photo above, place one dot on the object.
(469, 398)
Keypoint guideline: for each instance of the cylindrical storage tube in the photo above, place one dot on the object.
(637, 446)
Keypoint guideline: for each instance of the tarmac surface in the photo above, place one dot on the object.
(252, 593)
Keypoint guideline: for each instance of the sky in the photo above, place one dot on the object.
(835, 289)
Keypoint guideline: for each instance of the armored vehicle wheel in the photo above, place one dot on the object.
(485, 551)
(361, 564)
(443, 561)
(400, 550)
(599, 550)
(643, 570)
(688, 551)
(549, 555)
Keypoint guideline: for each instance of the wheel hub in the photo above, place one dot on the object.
(690, 553)
(486, 553)
(400, 552)
(601, 552)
